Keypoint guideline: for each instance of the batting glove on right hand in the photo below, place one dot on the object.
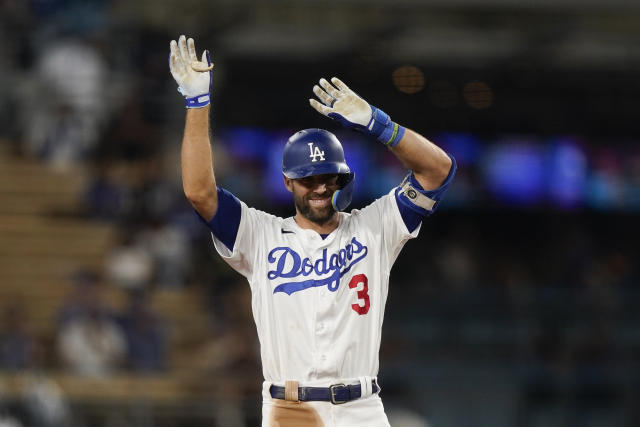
(344, 105)
(193, 77)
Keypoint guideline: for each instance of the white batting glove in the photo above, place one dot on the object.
(193, 77)
(344, 105)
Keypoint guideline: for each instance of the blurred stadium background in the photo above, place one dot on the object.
(517, 306)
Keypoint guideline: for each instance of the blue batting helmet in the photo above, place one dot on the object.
(312, 152)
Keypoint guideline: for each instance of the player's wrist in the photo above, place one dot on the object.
(198, 101)
(384, 129)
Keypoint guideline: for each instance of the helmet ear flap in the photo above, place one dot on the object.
(342, 198)
(344, 179)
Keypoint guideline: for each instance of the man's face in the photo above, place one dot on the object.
(312, 196)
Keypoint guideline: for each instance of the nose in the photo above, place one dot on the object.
(321, 187)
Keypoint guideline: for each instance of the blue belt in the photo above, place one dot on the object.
(336, 393)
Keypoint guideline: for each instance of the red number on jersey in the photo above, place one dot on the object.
(362, 293)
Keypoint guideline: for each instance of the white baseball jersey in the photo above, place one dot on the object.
(318, 304)
(318, 301)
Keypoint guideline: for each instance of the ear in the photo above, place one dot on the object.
(288, 182)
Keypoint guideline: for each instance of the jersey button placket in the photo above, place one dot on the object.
(323, 331)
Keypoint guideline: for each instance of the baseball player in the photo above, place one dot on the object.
(319, 280)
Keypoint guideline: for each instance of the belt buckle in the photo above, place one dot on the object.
(332, 394)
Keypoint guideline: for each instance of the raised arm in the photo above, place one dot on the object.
(194, 83)
(429, 163)
(198, 180)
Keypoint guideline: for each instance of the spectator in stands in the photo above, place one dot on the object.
(63, 127)
(75, 304)
(108, 196)
(156, 194)
(130, 136)
(146, 335)
(91, 342)
(170, 249)
(17, 346)
(129, 265)
(45, 403)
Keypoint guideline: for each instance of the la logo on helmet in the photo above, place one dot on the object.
(315, 152)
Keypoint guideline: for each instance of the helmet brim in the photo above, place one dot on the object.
(319, 169)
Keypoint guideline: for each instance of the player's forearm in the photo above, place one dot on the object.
(429, 163)
(198, 180)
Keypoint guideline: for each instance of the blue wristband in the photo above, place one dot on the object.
(198, 101)
(385, 130)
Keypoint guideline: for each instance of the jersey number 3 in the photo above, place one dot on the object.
(362, 293)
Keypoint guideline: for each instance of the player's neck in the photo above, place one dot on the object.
(325, 228)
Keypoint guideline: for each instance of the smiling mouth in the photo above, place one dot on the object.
(320, 203)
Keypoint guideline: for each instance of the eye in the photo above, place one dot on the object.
(308, 181)
(327, 179)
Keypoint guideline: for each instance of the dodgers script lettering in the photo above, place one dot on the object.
(289, 264)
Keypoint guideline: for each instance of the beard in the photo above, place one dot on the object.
(319, 216)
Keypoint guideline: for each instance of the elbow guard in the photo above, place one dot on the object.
(424, 202)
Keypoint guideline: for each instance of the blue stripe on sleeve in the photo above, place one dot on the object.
(226, 222)
(411, 218)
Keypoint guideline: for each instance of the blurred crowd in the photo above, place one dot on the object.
(551, 295)
(96, 338)
(73, 97)
(91, 339)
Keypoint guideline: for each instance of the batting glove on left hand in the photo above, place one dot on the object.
(193, 77)
(344, 105)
